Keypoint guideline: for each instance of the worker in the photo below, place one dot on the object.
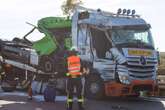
(30, 93)
(74, 79)
(30, 88)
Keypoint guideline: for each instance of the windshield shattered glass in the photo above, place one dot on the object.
(132, 36)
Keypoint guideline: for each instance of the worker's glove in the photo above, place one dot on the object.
(85, 71)
(67, 74)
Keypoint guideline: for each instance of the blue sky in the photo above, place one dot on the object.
(14, 14)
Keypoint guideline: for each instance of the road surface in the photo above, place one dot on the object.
(18, 101)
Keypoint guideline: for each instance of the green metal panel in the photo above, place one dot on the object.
(53, 22)
(45, 46)
(68, 43)
(48, 44)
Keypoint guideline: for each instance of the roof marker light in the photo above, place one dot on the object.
(119, 11)
(128, 11)
(124, 11)
(133, 12)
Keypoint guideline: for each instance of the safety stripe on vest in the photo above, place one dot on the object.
(73, 74)
(75, 67)
(73, 71)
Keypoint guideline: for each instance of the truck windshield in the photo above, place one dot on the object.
(132, 37)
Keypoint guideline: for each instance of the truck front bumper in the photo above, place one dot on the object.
(118, 89)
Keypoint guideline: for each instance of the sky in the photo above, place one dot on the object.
(15, 13)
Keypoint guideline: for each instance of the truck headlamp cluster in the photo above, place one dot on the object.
(124, 79)
(125, 12)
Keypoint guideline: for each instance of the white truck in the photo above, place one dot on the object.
(119, 50)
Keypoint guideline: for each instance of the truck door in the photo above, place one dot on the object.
(103, 61)
(83, 43)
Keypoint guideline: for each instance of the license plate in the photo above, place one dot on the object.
(139, 52)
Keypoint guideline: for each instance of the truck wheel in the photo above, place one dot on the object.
(94, 87)
(6, 87)
(47, 64)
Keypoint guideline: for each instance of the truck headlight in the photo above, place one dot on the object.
(124, 79)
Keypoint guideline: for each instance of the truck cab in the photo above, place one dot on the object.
(118, 49)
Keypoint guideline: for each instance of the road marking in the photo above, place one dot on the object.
(38, 109)
(13, 93)
(153, 99)
(40, 98)
(4, 102)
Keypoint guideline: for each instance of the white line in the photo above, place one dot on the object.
(152, 99)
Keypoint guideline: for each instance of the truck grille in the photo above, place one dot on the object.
(138, 70)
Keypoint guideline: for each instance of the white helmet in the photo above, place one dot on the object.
(73, 48)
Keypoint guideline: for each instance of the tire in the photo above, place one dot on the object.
(49, 94)
(6, 87)
(47, 64)
(94, 87)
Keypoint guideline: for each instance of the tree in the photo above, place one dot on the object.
(69, 5)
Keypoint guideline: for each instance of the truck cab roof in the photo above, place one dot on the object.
(107, 19)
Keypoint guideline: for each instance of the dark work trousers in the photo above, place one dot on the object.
(71, 84)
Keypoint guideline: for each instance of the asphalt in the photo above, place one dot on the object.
(18, 101)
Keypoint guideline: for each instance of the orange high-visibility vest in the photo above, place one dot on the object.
(74, 65)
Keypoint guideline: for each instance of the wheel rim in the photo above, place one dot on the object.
(94, 88)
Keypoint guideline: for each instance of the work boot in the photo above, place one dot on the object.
(69, 107)
(81, 108)
(80, 104)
